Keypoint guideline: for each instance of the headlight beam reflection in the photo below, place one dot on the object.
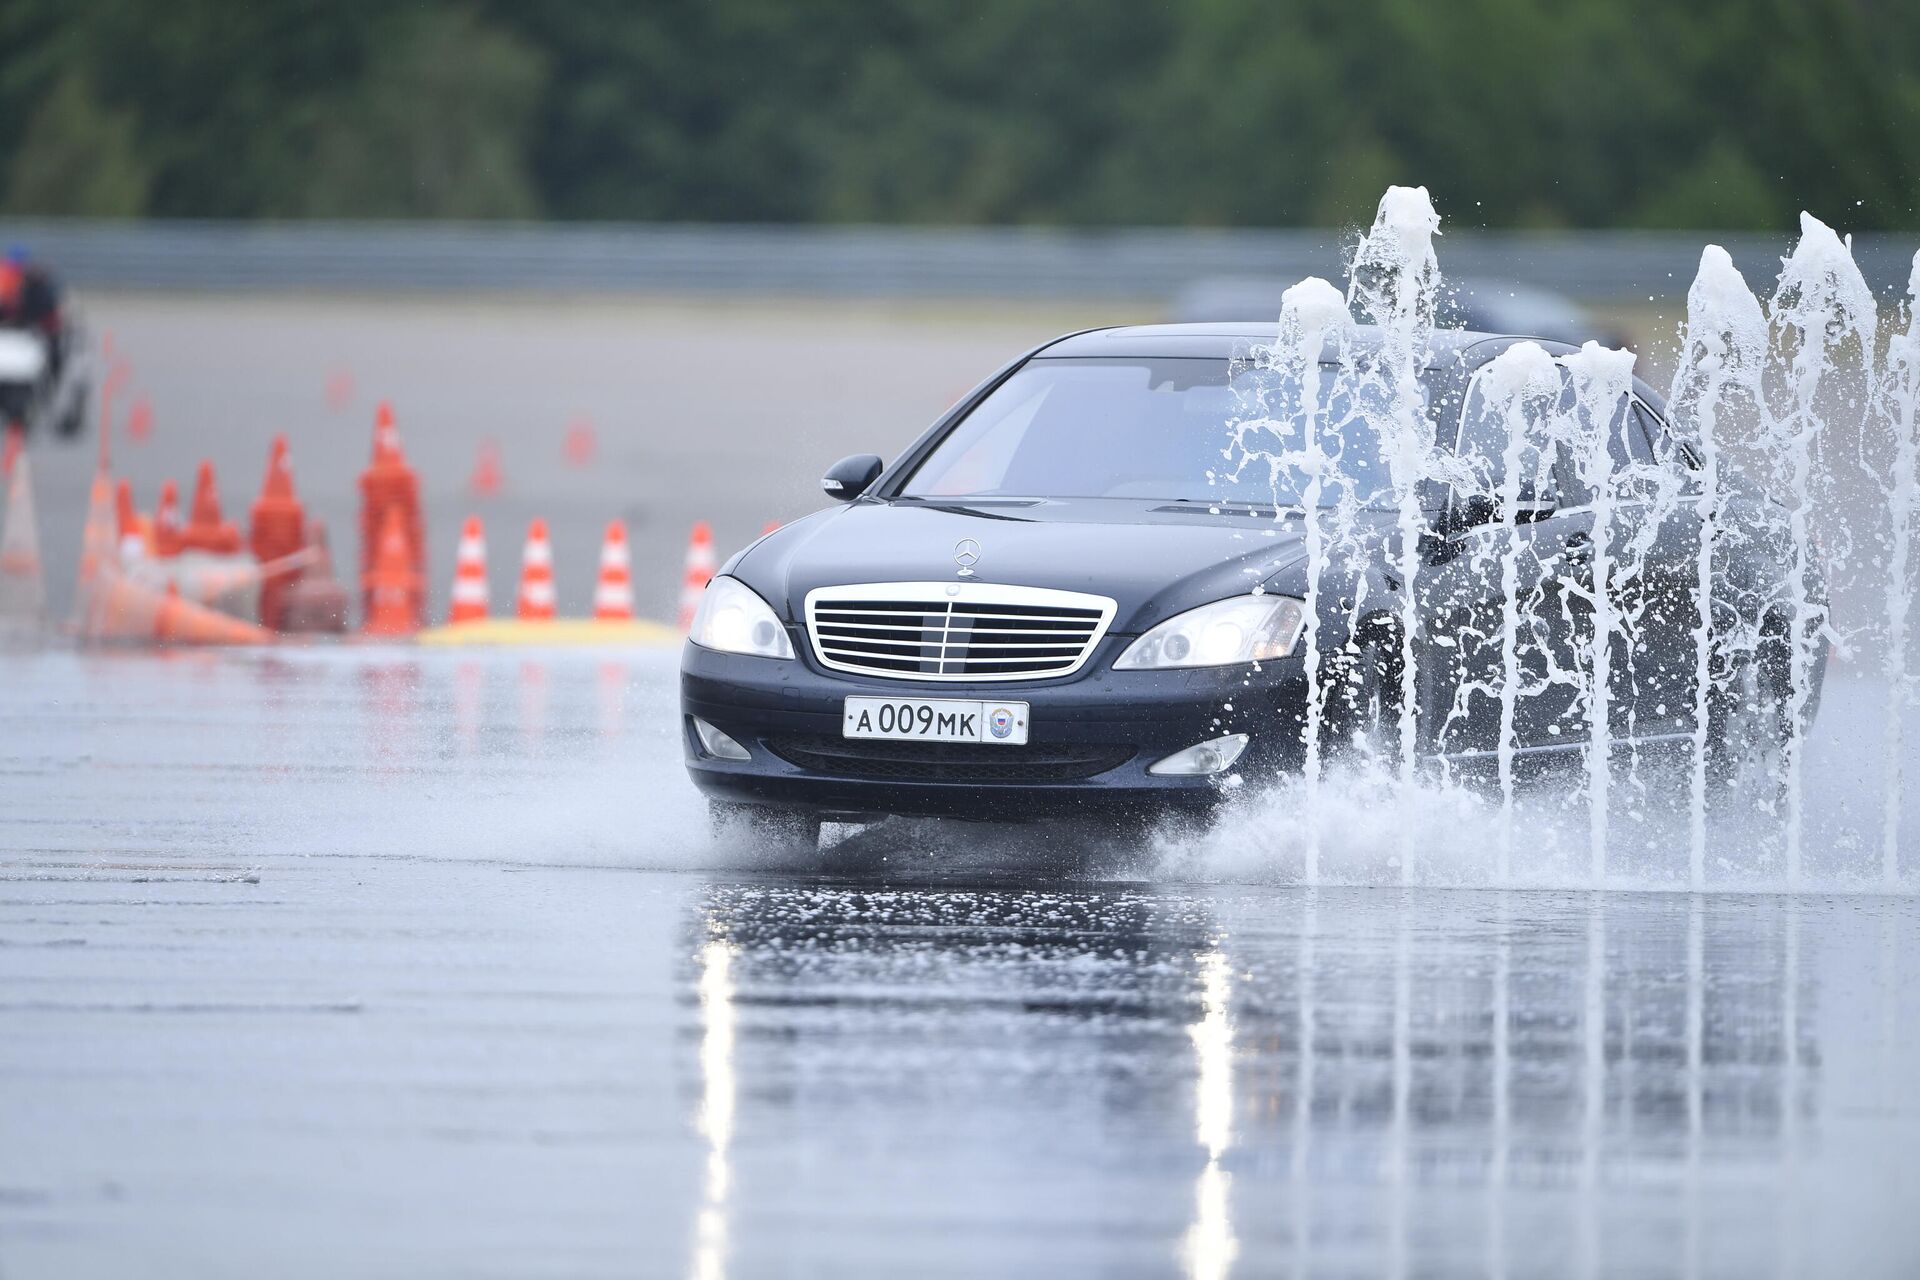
(715, 989)
(1210, 1245)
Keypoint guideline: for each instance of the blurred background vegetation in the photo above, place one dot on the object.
(1708, 114)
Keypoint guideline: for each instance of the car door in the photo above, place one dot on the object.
(1652, 544)
(1504, 597)
(1646, 554)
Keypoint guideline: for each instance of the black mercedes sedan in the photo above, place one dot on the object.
(1061, 600)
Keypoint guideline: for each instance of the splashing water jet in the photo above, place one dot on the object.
(1395, 282)
(1820, 304)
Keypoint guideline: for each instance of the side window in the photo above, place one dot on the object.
(1662, 441)
(1627, 445)
(1482, 452)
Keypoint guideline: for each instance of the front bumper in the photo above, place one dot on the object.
(1092, 737)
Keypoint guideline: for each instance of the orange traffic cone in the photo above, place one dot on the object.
(386, 433)
(23, 583)
(140, 421)
(699, 573)
(127, 523)
(177, 621)
(390, 603)
(16, 443)
(386, 485)
(469, 600)
(316, 602)
(536, 575)
(119, 373)
(486, 470)
(276, 529)
(339, 388)
(166, 521)
(613, 595)
(206, 530)
(115, 607)
(98, 539)
(580, 441)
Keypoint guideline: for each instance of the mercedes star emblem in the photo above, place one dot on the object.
(966, 554)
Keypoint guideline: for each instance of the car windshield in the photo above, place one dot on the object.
(1166, 429)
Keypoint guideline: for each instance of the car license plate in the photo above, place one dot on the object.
(937, 720)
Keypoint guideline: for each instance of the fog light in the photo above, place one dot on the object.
(720, 746)
(1215, 755)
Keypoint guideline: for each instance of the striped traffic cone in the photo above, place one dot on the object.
(469, 601)
(699, 572)
(207, 529)
(386, 432)
(133, 540)
(536, 575)
(167, 535)
(23, 582)
(391, 585)
(613, 595)
(277, 530)
(389, 483)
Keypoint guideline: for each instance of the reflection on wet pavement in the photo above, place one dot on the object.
(1351, 1082)
(424, 964)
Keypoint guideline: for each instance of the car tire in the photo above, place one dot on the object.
(766, 826)
(1363, 696)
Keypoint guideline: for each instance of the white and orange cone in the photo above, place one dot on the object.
(469, 601)
(16, 444)
(699, 572)
(613, 594)
(390, 603)
(133, 543)
(23, 583)
(386, 432)
(99, 552)
(166, 521)
(536, 575)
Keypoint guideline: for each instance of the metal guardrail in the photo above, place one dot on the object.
(854, 261)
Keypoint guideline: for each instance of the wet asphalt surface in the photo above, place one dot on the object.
(373, 962)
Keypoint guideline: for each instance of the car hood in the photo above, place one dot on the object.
(1154, 559)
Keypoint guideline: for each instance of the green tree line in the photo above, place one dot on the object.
(1712, 113)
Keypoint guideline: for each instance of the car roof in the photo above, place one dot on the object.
(1222, 340)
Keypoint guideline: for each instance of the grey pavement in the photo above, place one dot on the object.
(379, 962)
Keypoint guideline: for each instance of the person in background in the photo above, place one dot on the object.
(30, 299)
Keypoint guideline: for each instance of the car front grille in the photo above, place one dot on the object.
(955, 631)
(886, 761)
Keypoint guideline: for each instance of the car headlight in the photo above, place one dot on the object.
(732, 619)
(1243, 629)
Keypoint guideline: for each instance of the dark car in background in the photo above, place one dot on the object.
(1057, 603)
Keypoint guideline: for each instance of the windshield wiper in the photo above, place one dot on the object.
(961, 499)
(969, 506)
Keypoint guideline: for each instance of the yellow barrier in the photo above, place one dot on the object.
(554, 632)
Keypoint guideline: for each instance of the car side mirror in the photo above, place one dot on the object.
(848, 478)
(1479, 509)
